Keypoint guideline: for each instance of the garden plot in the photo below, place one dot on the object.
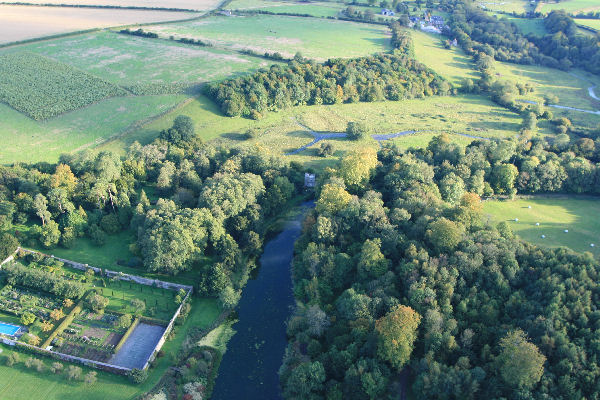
(85, 314)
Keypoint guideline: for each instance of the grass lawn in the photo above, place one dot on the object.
(592, 23)
(314, 38)
(129, 60)
(527, 25)
(581, 216)
(572, 6)
(17, 383)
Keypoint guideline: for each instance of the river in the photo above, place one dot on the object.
(254, 354)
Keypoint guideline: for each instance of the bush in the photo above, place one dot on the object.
(73, 373)
(137, 376)
(12, 359)
(357, 130)
(27, 318)
(325, 150)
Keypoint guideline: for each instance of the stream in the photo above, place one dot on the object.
(250, 366)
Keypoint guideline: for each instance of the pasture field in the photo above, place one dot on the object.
(570, 87)
(19, 23)
(592, 23)
(527, 25)
(144, 64)
(316, 9)
(314, 38)
(572, 6)
(43, 88)
(519, 6)
(286, 131)
(579, 215)
(33, 141)
(199, 5)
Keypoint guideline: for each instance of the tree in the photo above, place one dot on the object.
(57, 314)
(371, 262)
(138, 306)
(520, 361)
(73, 373)
(90, 378)
(50, 234)
(397, 332)
(357, 130)
(8, 245)
(305, 381)
(124, 321)
(444, 234)
(47, 326)
(357, 166)
(27, 318)
(503, 177)
(64, 178)
(33, 340)
(97, 303)
(40, 205)
(529, 121)
(12, 359)
(332, 199)
(229, 298)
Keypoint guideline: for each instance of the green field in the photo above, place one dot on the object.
(526, 25)
(27, 140)
(572, 6)
(580, 216)
(519, 6)
(281, 132)
(592, 23)
(130, 60)
(314, 38)
(317, 9)
(570, 87)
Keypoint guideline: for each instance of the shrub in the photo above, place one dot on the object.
(73, 373)
(56, 367)
(27, 318)
(357, 130)
(12, 359)
(137, 375)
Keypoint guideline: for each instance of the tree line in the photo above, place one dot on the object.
(397, 272)
(379, 77)
(208, 209)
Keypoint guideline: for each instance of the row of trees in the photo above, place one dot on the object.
(379, 77)
(17, 274)
(398, 271)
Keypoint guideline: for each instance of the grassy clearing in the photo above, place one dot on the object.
(129, 60)
(572, 6)
(314, 38)
(26, 22)
(33, 141)
(592, 23)
(581, 216)
(527, 25)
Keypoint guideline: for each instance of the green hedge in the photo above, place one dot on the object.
(66, 322)
(135, 322)
(155, 321)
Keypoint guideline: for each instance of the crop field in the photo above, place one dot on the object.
(314, 38)
(144, 64)
(199, 5)
(43, 88)
(579, 215)
(33, 141)
(572, 6)
(19, 23)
